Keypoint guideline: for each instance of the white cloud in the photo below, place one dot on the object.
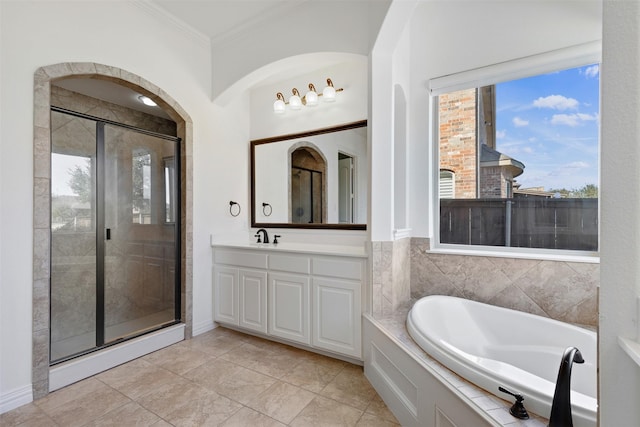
(501, 134)
(518, 122)
(556, 102)
(528, 150)
(592, 71)
(577, 165)
(572, 120)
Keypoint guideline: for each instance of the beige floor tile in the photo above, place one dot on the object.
(378, 408)
(248, 417)
(313, 375)
(214, 344)
(173, 396)
(282, 401)
(178, 358)
(29, 413)
(272, 362)
(323, 412)
(350, 387)
(231, 380)
(137, 378)
(204, 411)
(130, 414)
(370, 420)
(207, 380)
(82, 402)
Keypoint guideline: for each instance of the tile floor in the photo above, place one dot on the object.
(221, 378)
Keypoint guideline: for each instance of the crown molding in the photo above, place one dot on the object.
(153, 9)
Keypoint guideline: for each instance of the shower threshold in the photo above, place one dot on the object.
(91, 364)
(80, 343)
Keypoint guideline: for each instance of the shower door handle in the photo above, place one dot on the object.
(108, 234)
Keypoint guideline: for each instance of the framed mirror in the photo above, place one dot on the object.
(314, 179)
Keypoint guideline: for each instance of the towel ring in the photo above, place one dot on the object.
(231, 205)
(264, 209)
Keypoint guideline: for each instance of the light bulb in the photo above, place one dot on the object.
(278, 105)
(147, 101)
(295, 102)
(311, 97)
(329, 92)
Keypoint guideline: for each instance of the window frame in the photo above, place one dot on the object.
(571, 57)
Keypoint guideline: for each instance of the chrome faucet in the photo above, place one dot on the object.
(561, 407)
(266, 236)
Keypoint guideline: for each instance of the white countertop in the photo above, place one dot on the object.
(306, 248)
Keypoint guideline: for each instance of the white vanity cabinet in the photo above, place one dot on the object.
(336, 290)
(240, 290)
(310, 299)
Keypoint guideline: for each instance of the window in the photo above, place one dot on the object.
(141, 173)
(518, 162)
(170, 190)
(447, 184)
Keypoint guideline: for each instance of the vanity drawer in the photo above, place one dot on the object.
(290, 263)
(337, 267)
(240, 258)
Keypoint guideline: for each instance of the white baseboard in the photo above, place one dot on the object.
(203, 327)
(83, 367)
(16, 398)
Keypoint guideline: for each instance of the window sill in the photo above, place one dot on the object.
(519, 253)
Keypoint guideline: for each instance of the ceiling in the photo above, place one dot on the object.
(214, 19)
(219, 19)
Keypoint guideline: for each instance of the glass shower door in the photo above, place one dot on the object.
(115, 233)
(73, 235)
(140, 232)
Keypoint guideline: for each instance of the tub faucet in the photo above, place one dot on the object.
(561, 407)
(266, 236)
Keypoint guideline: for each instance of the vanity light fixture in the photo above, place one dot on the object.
(146, 100)
(310, 99)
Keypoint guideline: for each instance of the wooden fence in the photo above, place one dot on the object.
(521, 222)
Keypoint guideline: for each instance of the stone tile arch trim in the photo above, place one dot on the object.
(42, 197)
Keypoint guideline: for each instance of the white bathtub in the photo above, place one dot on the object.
(493, 346)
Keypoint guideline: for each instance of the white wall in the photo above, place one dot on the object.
(620, 213)
(125, 35)
(347, 71)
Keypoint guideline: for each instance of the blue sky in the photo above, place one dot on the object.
(551, 124)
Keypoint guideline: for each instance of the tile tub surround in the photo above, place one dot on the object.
(565, 291)
(394, 325)
(43, 77)
(391, 275)
(221, 378)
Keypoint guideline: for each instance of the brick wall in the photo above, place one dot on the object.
(458, 139)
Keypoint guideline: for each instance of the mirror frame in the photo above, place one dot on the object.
(256, 142)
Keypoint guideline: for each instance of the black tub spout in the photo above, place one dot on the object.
(561, 407)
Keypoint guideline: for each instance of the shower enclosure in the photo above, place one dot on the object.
(115, 233)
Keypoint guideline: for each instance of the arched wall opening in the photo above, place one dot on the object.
(43, 78)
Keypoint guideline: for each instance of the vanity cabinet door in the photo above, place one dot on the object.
(225, 295)
(253, 300)
(289, 307)
(336, 316)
